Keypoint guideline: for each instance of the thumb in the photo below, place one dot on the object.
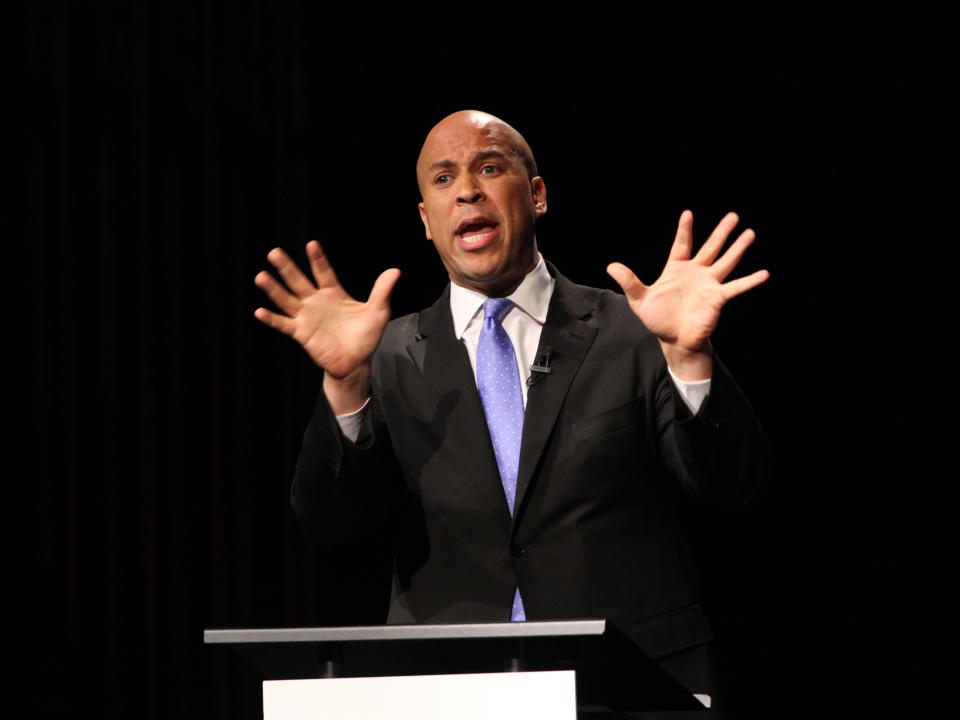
(380, 294)
(629, 283)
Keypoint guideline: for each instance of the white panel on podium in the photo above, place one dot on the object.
(505, 696)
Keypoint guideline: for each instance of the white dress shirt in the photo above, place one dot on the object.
(523, 325)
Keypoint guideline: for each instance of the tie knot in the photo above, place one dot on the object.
(496, 309)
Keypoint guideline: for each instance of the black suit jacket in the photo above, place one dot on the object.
(608, 451)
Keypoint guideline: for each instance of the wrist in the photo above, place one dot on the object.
(689, 365)
(349, 393)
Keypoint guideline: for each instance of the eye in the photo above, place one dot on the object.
(489, 169)
(441, 179)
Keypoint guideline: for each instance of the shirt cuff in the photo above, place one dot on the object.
(351, 423)
(693, 393)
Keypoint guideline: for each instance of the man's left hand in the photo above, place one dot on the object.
(683, 306)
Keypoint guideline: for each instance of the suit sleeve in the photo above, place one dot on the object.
(719, 455)
(341, 490)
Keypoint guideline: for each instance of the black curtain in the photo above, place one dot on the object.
(161, 149)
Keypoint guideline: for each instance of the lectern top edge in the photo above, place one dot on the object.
(406, 632)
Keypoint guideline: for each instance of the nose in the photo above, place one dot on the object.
(469, 191)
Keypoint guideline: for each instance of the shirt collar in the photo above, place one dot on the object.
(532, 296)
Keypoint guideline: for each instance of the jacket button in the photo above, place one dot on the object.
(517, 551)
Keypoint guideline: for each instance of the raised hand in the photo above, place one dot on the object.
(339, 333)
(683, 306)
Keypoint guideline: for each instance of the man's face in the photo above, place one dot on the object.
(479, 204)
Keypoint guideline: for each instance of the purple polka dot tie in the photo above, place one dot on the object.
(498, 381)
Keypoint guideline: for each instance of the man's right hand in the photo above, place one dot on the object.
(339, 333)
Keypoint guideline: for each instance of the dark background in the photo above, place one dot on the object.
(161, 149)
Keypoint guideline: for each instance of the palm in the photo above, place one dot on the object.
(338, 333)
(683, 306)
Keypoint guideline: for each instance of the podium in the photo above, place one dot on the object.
(582, 669)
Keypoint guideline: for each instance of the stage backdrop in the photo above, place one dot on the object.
(165, 148)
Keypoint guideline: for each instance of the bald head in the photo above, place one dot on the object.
(465, 123)
(481, 197)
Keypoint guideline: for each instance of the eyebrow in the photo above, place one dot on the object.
(482, 155)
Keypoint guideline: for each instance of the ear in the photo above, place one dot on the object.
(539, 191)
(426, 223)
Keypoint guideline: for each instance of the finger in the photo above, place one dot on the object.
(291, 274)
(741, 285)
(290, 304)
(728, 261)
(380, 294)
(276, 321)
(320, 266)
(714, 244)
(683, 241)
(627, 280)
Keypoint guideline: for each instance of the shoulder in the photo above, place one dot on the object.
(606, 309)
(617, 325)
(606, 302)
(400, 331)
(406, 329)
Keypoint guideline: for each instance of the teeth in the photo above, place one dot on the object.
(477, 237)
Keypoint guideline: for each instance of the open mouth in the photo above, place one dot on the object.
(475, 231)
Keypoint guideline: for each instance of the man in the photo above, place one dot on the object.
(527, 455)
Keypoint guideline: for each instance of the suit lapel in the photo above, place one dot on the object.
(570, 337)
(443, 361)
